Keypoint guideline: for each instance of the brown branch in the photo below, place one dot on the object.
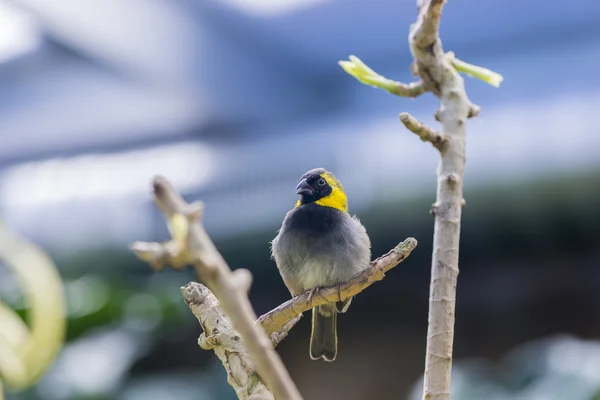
(439, 76)
(220, 336)
(424, 132)
(279, 321)
(192, 245)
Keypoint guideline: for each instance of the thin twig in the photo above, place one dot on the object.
(280, 320)
(440, 77)
(413, 89)
(191, 244)
(364, 74)
(424, 132)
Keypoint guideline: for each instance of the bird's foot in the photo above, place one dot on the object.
(312, 291)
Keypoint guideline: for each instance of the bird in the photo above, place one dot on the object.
(319, 245)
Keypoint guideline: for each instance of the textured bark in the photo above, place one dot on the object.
(220, 336)
(439, 76)
(191, 245)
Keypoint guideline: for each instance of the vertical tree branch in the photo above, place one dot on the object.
(192, 245)
(438, 75)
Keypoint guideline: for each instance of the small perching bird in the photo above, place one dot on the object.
(319, 245)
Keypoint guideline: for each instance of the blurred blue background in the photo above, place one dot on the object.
(233, 100)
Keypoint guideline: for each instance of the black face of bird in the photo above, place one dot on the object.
(313, 187)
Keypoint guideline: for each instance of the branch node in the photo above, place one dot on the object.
(209, 342)
(453, 94)
(242, 279)
(473, 111)
(195, 211)
(424, 132)
(452, 179)
(179, 227)
(434, 209)
(414, 68)
(153, 253)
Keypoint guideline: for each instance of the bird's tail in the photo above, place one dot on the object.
(323, 339)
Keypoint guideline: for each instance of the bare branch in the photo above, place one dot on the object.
(364, 74)
(279, 321)
(424, 132)
(439, 75)
(413, 89)
(220, 336)
(190, 244)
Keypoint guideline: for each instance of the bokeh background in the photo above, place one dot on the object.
(233, 100)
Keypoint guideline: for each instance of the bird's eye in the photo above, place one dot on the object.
(321, 182)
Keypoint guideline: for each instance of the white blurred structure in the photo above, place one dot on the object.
(232, 100)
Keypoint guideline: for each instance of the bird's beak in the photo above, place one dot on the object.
(304, 188)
